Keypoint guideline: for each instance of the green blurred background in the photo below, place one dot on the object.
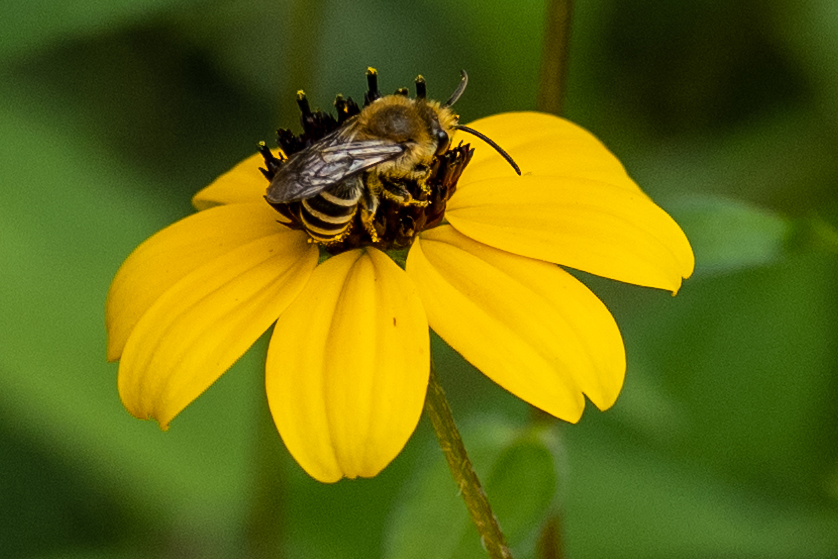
(724, 442)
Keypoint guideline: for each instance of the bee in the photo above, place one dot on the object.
(384, 152)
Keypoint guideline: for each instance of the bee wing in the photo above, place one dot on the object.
(326, 163)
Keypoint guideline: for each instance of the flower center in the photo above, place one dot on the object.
(387, 204)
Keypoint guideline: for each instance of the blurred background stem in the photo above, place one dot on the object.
(439, 412)
(303, 46)
(551, 95)
(554, 57)
(263, 530)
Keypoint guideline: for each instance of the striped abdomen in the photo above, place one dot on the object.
(328, 215)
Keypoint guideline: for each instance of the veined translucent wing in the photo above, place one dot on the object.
(326, 163)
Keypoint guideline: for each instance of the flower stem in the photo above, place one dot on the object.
(554, 57)
(439, 412)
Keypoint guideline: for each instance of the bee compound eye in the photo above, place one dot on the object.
(442, 142)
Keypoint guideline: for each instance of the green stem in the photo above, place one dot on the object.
(436, 406)
(554, 57)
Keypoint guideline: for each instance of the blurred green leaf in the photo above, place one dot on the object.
(624, 502)
(729, 235)
(783, 161)
(745, 364)
(519, 468)
(66, 223)
(722, 442)
(821, 234)
(29, 25)
(249, 39)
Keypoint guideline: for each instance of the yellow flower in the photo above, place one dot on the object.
(348, 362)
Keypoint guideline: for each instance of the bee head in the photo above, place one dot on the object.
(440, 123)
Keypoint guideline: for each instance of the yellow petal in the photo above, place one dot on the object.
(526, 324)
(168, 256)
(589, 225)
(203, 323)
(242, 184)
(348, 367)
(541, 145)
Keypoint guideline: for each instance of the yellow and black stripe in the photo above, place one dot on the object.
(328, 215)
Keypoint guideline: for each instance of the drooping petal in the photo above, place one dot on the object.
(526, 324)
(171, 254)
(582, 223)
(242, 184)
(541, 145)
(203, 323)
(348, 367)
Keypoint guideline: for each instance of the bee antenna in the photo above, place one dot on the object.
(491, 142)
(459, 91)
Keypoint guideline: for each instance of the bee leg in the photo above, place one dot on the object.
(368, 220)
(398, 192)
(368, 207)
(421, 176)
